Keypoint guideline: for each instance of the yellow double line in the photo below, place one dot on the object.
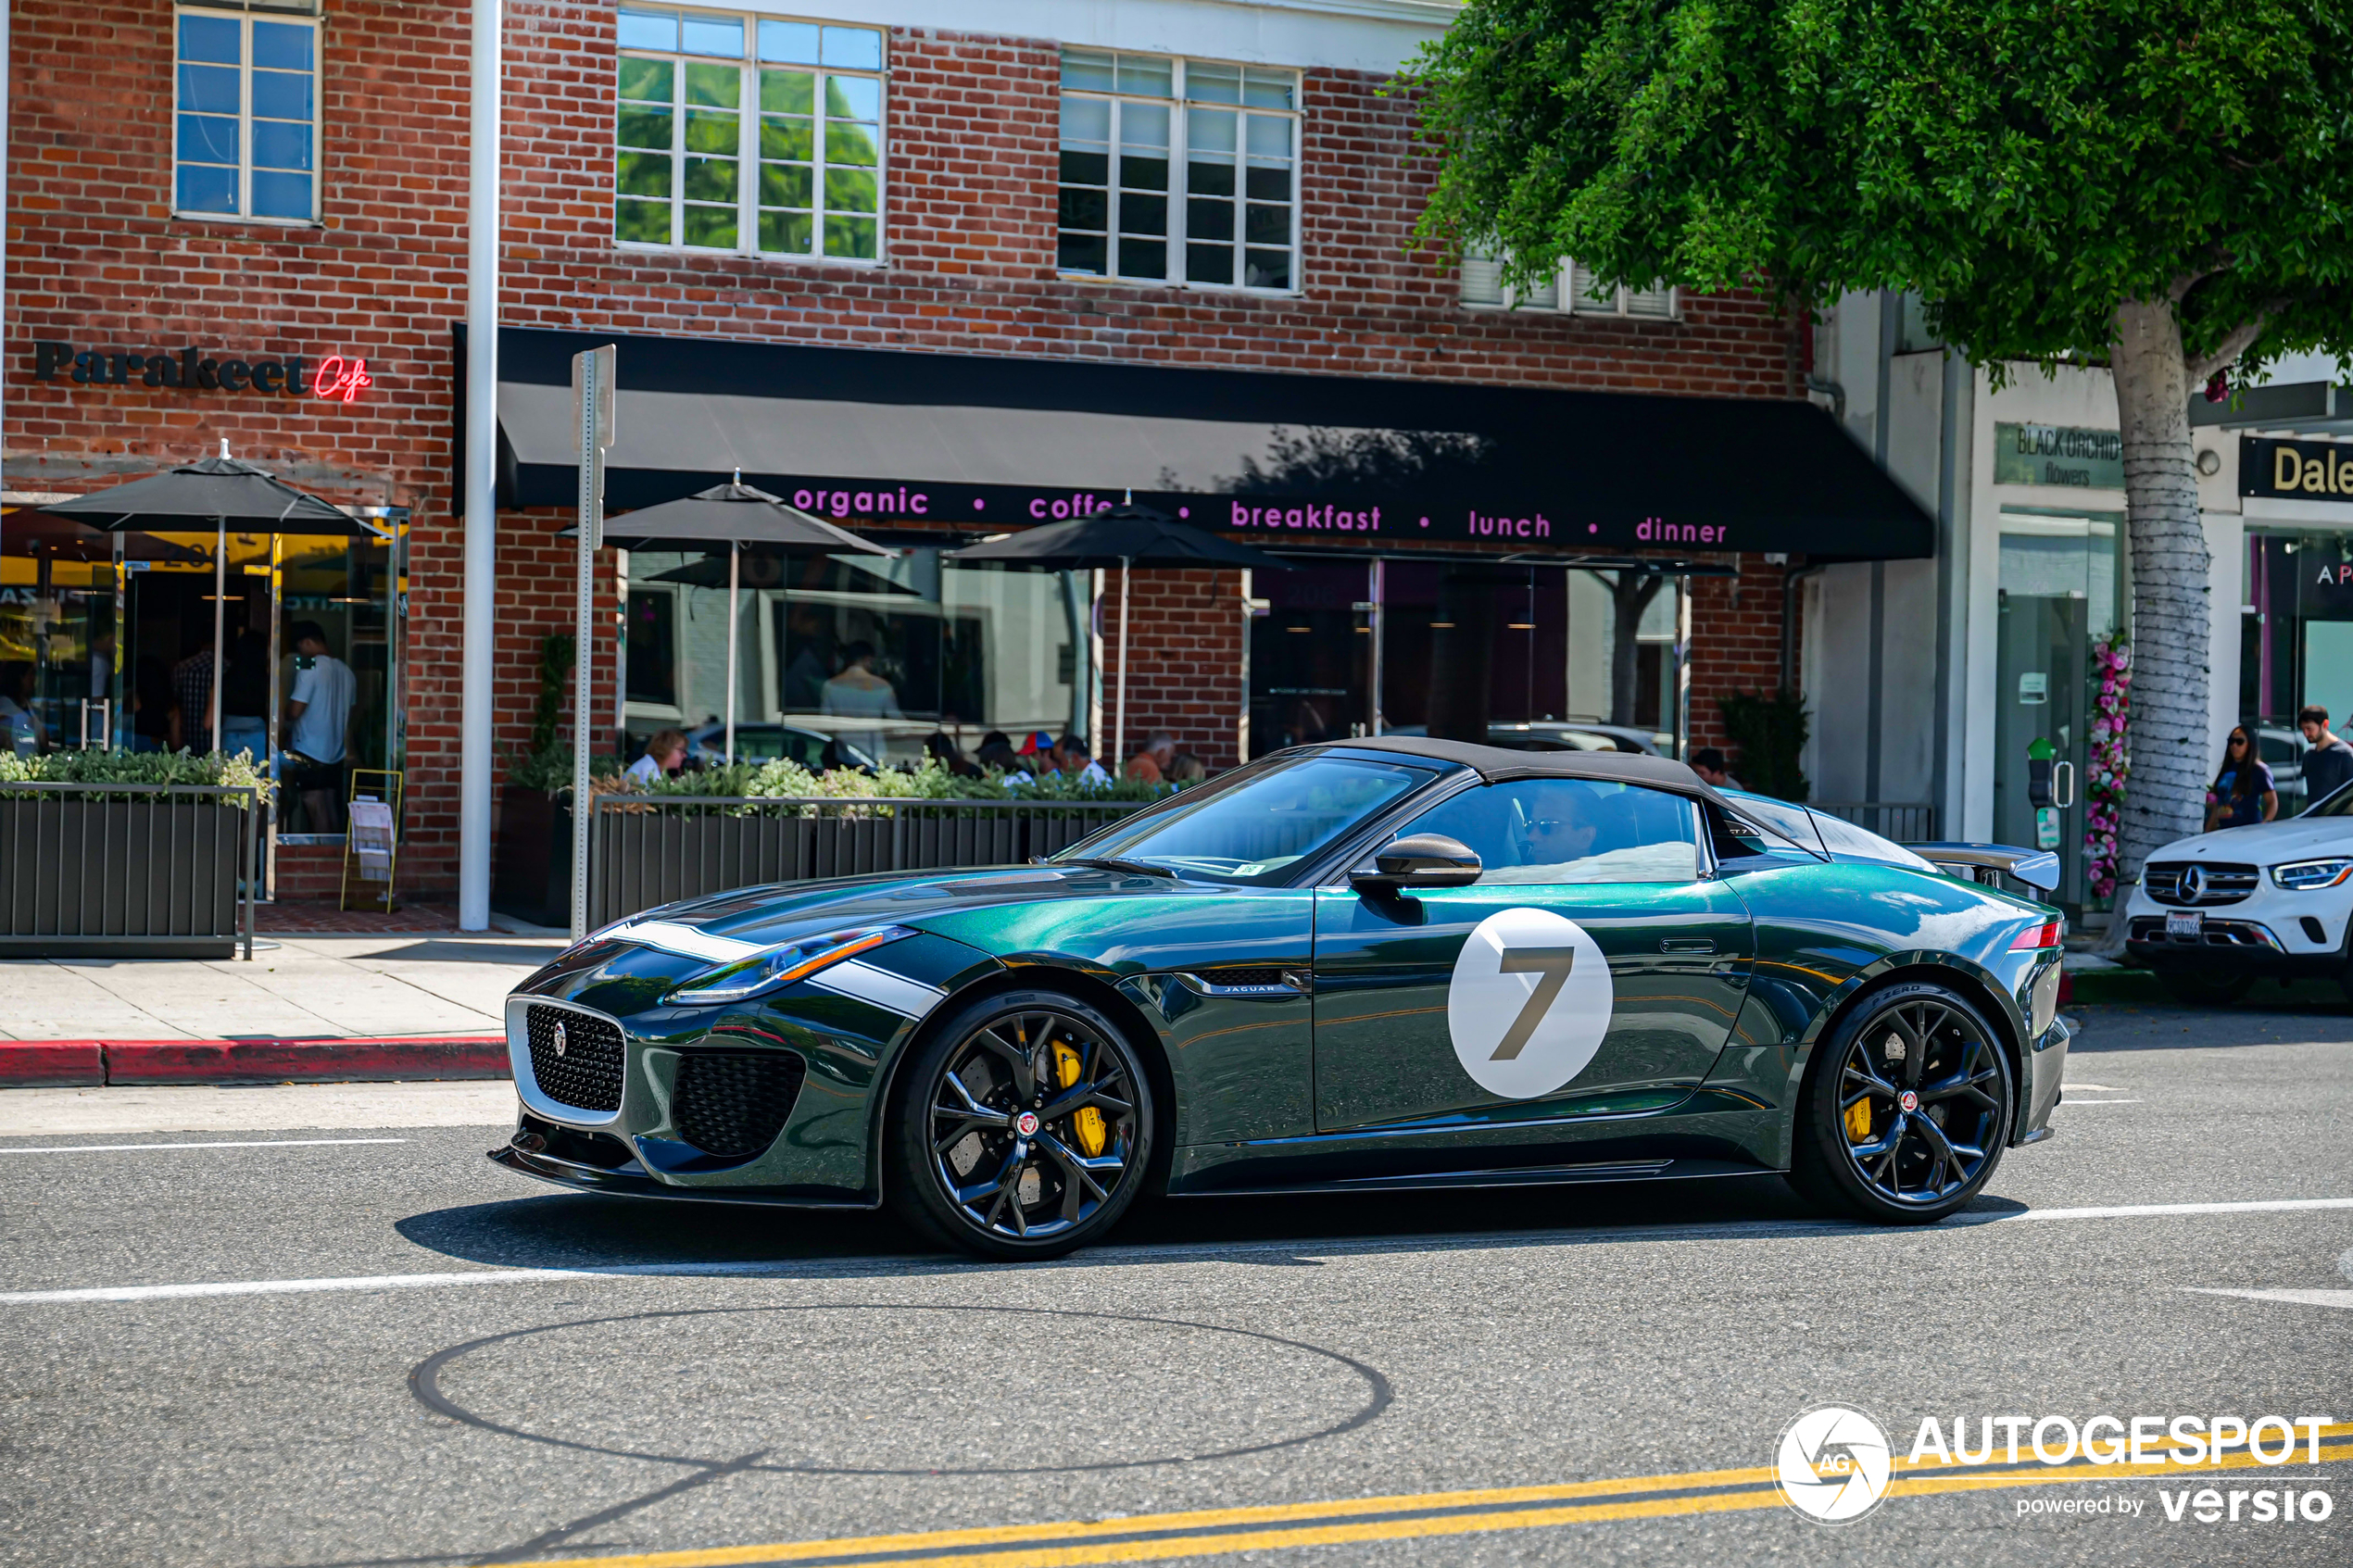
(1420, 1515)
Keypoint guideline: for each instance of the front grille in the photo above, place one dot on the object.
(733, 1103)
(2224, 884)
(2215, 933)
(587, 1072)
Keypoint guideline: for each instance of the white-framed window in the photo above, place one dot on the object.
(1571, 288)
(246, 115)
(758, 135)
(1179, 172)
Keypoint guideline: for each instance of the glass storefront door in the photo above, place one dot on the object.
(57, 637)
(1311, 655)
(2059, 592)
(1454, 648)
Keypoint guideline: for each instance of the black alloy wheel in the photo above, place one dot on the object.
(1907, 1109)
(1025, 1127)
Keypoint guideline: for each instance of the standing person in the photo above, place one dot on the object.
(858, 692)
(665, 754)
(155, 712)
(1185, 768)
(2330, 762)
(2242, 793)
(245, 696)
(191, 683)
(805, 670)
(1152, 764)
(319, 709)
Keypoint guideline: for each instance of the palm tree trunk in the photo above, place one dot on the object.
(2172, 572)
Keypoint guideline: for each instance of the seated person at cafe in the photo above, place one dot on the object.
(665, 754)
(1152, 764)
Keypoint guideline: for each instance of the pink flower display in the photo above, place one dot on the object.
(2108, 765)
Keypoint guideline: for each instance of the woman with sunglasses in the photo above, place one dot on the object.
(2242, 793)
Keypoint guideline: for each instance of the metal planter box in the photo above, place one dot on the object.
(85, 872)
(650, 851)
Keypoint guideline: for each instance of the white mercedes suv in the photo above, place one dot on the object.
(2212, 914)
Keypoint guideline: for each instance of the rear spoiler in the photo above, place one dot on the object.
(2039, 868)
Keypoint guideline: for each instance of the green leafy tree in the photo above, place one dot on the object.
(2162, 186)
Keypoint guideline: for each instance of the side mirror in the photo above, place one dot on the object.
(1426, 859)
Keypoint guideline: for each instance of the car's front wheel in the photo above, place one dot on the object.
(1025, 1127)
(1907, 1109)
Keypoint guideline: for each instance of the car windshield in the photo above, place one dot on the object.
(1253, 825)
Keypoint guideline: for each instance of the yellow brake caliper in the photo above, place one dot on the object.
(1858, 1121)
(1088, 1123)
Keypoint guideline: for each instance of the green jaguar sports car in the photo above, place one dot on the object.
(1356, 966)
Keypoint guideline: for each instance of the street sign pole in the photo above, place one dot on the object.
(592, 390)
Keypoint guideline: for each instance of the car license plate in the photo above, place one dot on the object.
(2184, 925)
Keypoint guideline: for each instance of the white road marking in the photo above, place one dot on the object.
(807, 1267)
(2147, 1210)
(2098, 1088)
(279, 1109)
(2296, 1298)
(2076, 1102)
(258, 1142)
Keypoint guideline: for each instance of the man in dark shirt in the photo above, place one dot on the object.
(191, 683)
(2330, 762)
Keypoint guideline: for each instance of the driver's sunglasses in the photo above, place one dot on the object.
(1549, 824)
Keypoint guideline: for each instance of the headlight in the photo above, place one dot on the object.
(2304, 876)
(782, 966)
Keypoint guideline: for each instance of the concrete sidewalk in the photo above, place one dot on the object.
(307, 987)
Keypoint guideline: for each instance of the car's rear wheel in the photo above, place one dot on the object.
(2202, 988)
(1907, 1109)
(1025, 1128)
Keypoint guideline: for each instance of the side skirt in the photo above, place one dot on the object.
(1536, 1175)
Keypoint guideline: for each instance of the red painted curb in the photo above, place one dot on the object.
(29, 1063)
(316, 1061)
(64, 1065)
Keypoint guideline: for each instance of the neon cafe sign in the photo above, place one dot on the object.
(340, 377)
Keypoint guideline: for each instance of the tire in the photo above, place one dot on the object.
(988, 1154)
(1861, 1150)
(2202, 988)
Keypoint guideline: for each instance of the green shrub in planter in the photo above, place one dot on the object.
(137, 767)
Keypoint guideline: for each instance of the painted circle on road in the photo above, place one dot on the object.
(1529, 1003)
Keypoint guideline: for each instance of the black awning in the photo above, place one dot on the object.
(879, 437)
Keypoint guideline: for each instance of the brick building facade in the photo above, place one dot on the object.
(99, 259)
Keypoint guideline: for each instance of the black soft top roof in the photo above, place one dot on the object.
(1496, 763)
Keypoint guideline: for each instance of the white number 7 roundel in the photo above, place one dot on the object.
(1529, 1003)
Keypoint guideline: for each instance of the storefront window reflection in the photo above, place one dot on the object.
(2295, 644)
(875, 653)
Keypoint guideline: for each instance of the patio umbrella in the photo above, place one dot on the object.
(220, 491)
(1127, 535)
(737, 516)
(78, 541)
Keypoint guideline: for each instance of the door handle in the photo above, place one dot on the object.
(1673, 945)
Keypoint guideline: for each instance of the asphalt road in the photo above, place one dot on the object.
(1586, 1374)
